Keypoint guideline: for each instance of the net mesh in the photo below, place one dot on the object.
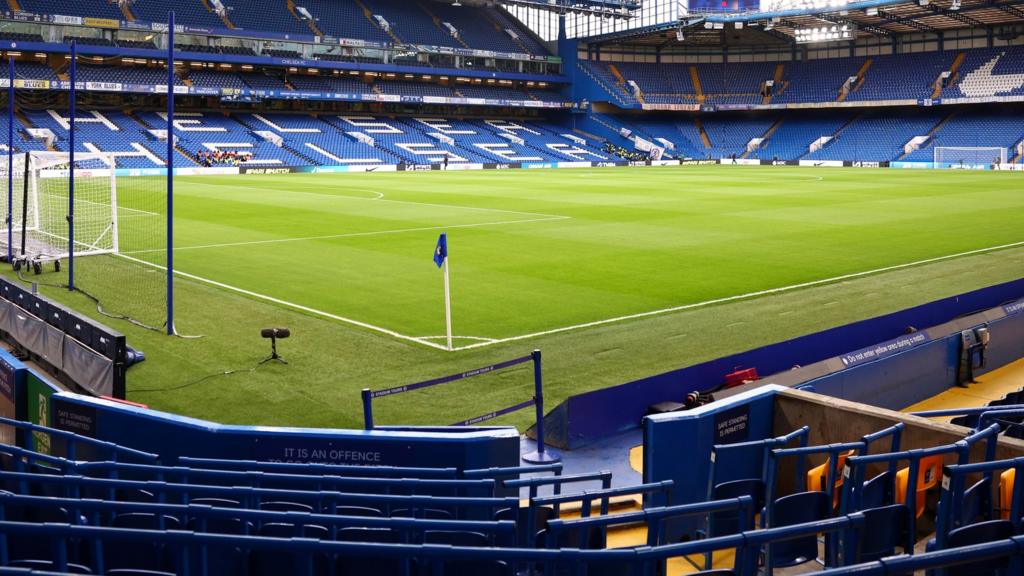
(952, 157)
(36, 226)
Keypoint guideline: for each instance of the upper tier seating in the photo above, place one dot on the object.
(90, 8)
(265, 15)
(186, 12)
(481, 28)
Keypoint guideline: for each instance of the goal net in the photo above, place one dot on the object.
(36, 227)
(969, 157)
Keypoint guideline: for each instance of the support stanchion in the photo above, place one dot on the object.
(367, 409)
(541, 455)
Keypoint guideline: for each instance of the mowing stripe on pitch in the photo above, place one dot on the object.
(738, 297)
(352, 235)
(288, 304)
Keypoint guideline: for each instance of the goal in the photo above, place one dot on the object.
(969, 157)
(37, 218)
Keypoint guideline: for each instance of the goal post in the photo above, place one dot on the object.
(35, 219)
(968, 156)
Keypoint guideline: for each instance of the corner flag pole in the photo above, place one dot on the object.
(441, 260)
(447, 304)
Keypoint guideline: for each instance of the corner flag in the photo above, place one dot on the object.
(441, 259)
(441, 250)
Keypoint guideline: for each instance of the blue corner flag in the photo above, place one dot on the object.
(441, 251)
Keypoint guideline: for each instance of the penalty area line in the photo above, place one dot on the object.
(291, 305)
(737, 297)
(354, 234)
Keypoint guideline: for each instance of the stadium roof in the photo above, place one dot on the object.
(878, 18)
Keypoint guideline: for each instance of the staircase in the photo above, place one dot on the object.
(835, 135)
(369, 16)
(15, 7)
(695, 79)
(500, 30)
(767, 134)
(931, 133)
(954, 75)
(780, 70)
(310, 161)
(312, 25)
(437, 24)
(127, 12)
(703, 135)
(611, 91)
(223, 17)
(861, 77)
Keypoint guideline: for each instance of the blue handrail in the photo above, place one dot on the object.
(555, 469)
(505, 528)
(652, 517)
(430, 555)
(906, 564)
(322, 469)
(295, 481)
(74, 439)
(252, 496)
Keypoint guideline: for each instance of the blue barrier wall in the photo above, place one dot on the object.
(585, 418)
(900, 380)
(677, 446)
(172, 436)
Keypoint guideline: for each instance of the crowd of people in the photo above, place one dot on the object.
(223, 158)
(624, 153)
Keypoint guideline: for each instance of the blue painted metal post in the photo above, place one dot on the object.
(541, 455)
(71, 168)
(170, 174)
(10, 160)
(367, 409)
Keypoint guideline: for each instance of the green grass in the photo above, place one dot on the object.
(533, 252)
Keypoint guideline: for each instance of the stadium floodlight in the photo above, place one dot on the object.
(871, 12)
(955, 5)
(834, 33)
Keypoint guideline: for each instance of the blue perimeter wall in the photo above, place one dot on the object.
(585, 418)
(171, 436)
(677, 446)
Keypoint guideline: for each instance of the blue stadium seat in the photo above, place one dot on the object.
(48, 566)
(976, 534)
(798, 508)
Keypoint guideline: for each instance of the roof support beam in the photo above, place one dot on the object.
(865, 27)
(962, 18)
(906, 22)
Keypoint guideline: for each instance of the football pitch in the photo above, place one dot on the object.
(615, 273)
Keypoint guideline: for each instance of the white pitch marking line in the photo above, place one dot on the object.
(739, 296)
(292, 305)
(353, 234)
(480, 338)
(382, 199)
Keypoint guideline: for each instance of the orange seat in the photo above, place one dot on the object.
(1006, 492)
(928, 475)
(816, 476)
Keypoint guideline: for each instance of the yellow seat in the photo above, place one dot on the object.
(1006, 492)
(816, 476)
(928, 475)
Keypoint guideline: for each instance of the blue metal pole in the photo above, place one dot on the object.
(540, 455)
(170, 173)
(10, 160)
(71, 170)
(367, 409)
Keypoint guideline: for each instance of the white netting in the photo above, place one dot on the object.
(39, 185)
(969, 157)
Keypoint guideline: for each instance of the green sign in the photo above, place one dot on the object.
(39, 410)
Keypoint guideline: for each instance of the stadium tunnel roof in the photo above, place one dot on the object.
(872, 18)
